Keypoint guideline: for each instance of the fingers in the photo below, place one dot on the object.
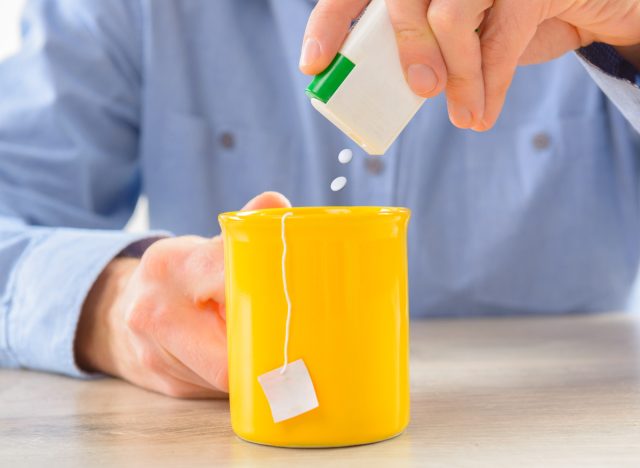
(181, 347)
(454, 23)
(420, 56)
(177, 369)
(442, 49)
(326, 30)
(267, 200)
(199, 341)
(506, 32)
(148, 364)
(167, 374)
(185, 375)
(422, 63)
(202, 275)
(193, 265)
(164, 319)
(175, 387)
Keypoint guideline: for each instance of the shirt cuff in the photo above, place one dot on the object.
(613, 80)
(607, 59)
(49, 290)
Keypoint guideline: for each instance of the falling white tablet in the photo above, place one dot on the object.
(345, 156)
(338, 183)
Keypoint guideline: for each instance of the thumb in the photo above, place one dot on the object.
(267, 200)
(326, 30)
(206, 262)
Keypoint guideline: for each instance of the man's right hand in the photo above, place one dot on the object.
(471, 48)
(159, 321)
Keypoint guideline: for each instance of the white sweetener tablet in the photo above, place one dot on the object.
(338, 183)
(345, 156)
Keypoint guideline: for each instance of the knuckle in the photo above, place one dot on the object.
(496, 56)
(221, 379)
(203, 261)
(145, 313)
(136, 320)
(491, 48)
(323, 15)
(409, 32)
(175, 389)
(155, 261)
(149, 360)
(331, 8)
(170, 388)
(444, 17)
(164, 256)
(138, 317)
(459, 82)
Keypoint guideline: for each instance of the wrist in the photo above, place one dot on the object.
(94, 347)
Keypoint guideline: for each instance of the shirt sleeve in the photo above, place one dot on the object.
(617, 78)
(52, 273)
(69, 170)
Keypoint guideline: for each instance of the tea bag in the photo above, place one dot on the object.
(289, 389)
(290, 393)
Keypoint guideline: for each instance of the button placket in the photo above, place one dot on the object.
(227, 140)
(379, 174)
(541, 141)
(374, 165)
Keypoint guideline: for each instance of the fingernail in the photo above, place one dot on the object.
(482, 126)
(310, 52)
(460, 116)
(421, 78)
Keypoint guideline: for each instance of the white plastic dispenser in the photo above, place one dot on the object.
(363, 91)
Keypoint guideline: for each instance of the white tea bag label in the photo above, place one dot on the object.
(289, 394)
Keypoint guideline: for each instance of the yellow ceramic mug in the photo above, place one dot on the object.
(346, 271)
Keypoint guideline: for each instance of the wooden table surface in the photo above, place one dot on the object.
(485, 392)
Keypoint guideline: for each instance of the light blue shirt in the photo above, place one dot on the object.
(200, 106)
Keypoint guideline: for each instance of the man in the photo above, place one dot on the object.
(200, 105)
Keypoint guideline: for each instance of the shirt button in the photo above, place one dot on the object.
(541, 141)
(374, 165)
(227, 140)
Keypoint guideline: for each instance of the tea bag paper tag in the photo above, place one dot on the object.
(290, 393)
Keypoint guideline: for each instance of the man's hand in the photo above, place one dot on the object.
(159, 322)
(441, 50)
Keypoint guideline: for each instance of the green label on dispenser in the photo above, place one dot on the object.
(326, 83)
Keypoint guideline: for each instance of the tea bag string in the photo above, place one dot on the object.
(286, 293)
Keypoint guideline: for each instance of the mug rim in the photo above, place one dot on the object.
(314, 212)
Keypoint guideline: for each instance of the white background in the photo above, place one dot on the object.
(9, 42)
(9, 26)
